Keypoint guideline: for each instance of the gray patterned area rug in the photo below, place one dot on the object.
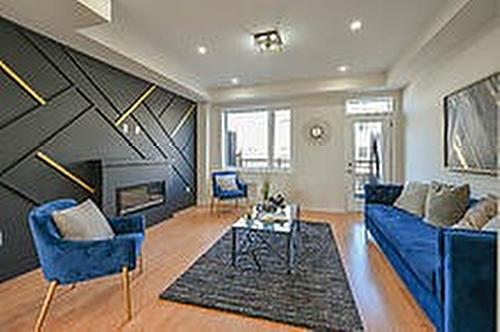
(316, 296)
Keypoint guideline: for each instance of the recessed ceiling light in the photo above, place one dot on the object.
(202, 50)
(355, 25)
(235, 80)
(342, 69)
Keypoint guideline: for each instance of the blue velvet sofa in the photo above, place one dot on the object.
(451, 273)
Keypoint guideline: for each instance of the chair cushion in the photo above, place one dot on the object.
(416, 241)
(227, 182)
(83, 222)
(231, 194)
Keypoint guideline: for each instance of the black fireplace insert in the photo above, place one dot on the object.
(139, 197)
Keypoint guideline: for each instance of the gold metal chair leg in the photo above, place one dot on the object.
(141, 264)
(126, 292)
(46, 304)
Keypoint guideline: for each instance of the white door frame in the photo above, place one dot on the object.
(389, 169)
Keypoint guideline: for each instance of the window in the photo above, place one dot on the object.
(372, 105)
(257, 139)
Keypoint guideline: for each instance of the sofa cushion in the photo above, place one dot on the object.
(416, 241)
(493, 224)
(413, 198)
(479, 214)
(446, 204)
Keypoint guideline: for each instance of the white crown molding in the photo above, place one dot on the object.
(458, 20)
(297, 88)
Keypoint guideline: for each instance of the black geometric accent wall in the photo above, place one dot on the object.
(82, 99)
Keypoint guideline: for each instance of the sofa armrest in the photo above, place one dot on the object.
(129, 224)
(470, 275)
(382, 193)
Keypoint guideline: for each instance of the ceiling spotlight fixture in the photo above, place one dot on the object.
(202, 50)
(268, 41)
(235, 81)
(342, 69)
(355, 25)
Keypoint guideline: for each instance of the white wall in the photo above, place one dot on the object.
(317, 177)
(473, 60)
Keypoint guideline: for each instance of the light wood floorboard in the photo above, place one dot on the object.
(170, 248)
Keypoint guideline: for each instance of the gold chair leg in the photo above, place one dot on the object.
(141, 264)
(212, 205)
(126, 292)
(46, 304)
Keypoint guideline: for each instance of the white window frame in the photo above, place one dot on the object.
(270, 144)
(373, 98)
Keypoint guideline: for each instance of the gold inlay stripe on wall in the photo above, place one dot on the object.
(183, 120)
(132, 108)
(58, 167)
(9, 71)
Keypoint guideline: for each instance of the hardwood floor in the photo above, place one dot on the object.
(170, 248)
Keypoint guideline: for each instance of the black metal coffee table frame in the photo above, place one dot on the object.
(247, 242)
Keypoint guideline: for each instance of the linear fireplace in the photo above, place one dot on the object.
(139, 197)
(128, 186)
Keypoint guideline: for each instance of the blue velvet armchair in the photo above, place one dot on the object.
(220, 194)
(68, 262)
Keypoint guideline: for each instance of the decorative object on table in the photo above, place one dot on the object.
(66, 261)
(317, 131)
(277, 200)
(263, 231)
(226, 185)
(317, 296)
(266, 188)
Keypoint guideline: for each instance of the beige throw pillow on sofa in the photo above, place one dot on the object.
(479, 214)
(446, 205)
(493, 224)
(83, 222)
(413, 197)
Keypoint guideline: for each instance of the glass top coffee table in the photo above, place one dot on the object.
(268, 234)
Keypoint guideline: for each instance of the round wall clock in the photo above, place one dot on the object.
(317, 132)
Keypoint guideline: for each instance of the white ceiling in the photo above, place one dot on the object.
(157, 40)
(316, 33)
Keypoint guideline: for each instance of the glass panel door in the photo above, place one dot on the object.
(368, 155)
